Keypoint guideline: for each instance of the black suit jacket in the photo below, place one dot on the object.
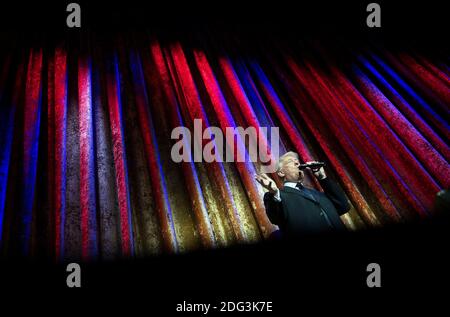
(308, 210)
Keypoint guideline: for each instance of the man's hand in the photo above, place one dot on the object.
(267, 183)
(318, 172)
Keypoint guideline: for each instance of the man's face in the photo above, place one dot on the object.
(290, 171)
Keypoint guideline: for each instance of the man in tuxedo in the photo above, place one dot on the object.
(297, 209)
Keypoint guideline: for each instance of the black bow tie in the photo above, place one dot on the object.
(299, 186)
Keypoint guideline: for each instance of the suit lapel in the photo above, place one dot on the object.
(303, 193)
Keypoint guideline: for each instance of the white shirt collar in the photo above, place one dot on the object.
(291, 184)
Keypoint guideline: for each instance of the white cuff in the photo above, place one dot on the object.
(277, 196)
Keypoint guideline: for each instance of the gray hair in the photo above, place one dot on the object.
(283, 157)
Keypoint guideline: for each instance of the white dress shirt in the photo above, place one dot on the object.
(289, 184)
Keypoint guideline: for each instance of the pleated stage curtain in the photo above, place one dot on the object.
(85, 162)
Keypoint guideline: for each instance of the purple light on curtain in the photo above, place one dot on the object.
(95, 128)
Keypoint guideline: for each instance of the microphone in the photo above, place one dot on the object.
(314, 165)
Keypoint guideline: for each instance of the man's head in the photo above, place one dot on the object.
(287, 167)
